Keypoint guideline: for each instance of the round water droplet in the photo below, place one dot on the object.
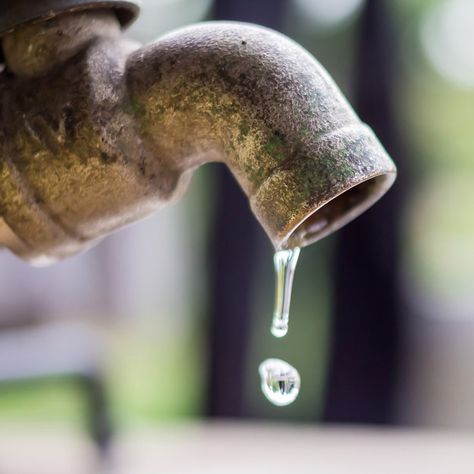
(279, 327)
(280, 381)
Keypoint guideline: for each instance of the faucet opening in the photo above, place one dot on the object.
(338, 211)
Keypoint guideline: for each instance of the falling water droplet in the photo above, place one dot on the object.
(285, 264)
(280, 381)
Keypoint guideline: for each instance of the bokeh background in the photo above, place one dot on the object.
(168, 319)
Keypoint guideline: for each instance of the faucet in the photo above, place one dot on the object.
(97, 131)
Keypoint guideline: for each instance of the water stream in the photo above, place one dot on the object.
(280, 381)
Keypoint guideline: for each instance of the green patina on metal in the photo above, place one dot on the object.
(276, 146)
(244, 129)
(136, 108)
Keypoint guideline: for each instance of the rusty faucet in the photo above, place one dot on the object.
(97, 131)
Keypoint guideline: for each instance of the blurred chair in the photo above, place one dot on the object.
(41, 352)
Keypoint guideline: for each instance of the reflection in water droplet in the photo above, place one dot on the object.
(285, 264)
(280, 381)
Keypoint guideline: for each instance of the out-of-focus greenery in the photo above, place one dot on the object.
(149, 377)
(153, 378)
(55, 401)
(437, 120)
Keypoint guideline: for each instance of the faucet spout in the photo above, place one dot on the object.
(257, 101)
(114, 131)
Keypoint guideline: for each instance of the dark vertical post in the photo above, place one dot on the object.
(366, 318)
(99, 420)
(232, 255)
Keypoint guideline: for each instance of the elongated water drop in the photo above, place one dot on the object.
(285, 264)
(280, 381)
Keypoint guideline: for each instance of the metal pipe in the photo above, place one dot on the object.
(113, 132)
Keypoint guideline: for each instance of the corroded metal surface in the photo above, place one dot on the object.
(36, 58)
(114, 133)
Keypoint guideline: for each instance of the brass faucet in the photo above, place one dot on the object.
(97, 131)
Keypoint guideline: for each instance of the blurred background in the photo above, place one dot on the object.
(168, 320)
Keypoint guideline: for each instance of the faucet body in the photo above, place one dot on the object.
(97, 131)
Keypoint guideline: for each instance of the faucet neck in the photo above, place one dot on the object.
(250, 98)
(33, 49)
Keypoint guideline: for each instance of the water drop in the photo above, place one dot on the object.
(285, 264)
(280, 381)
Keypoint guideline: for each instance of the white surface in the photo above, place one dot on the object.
(244, 448)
